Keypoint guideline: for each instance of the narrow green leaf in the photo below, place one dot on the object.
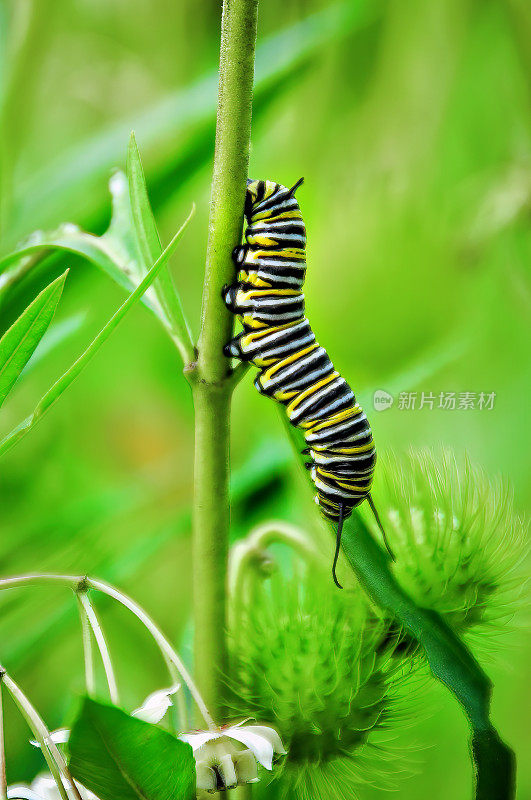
(449, 659)
(145, 226)
(71, 374)
(150, 248)
(19, 342)
(119, 757)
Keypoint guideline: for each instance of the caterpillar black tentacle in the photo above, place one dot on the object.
(382, 530)
(293, 368)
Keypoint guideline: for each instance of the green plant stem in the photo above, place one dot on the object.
(90, 682)
(53, 757)
(3, 778)
(251, 553)
(80, 584)
(99, 636)
(211, 535)
(231, 161)
(211, 379)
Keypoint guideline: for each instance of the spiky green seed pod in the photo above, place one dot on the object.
(457, 541)
(316, 664)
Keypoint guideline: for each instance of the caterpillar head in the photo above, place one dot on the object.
(255, 189)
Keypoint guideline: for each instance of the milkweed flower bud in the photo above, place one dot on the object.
(457, 540)
(314, 662)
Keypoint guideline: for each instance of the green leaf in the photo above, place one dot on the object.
(19, 342)
(71, 374)
(145, 227)
(449, 659)
(150, 248)
(119, 757)
(116, 252)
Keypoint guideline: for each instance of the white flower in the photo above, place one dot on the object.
(220, 764)
(224, 757)
(45, 788)
(153, 709)
(155, 706)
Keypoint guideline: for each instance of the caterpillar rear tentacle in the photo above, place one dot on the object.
(293, 368)
(378, 522)
(338, 547)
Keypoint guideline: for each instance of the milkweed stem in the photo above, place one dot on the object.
(3, 778)
(210, 377)
(101, 642)
(81, 584)
(53, 757)
(86, 630)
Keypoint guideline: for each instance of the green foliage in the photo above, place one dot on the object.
(177, 130)
(19, 342)
(116, 252)
(150, 247)
(404, 152)
(71, 374)
(119, 757)
(448, 657)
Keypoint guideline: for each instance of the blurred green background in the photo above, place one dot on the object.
(411, 124)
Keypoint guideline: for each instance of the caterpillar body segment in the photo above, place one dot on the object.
(293, 368)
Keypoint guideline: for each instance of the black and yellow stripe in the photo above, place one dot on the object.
(294, 369)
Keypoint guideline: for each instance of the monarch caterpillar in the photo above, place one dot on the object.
(294, 369)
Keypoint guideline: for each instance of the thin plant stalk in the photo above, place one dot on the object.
(254, 547)
(90, 682)
(54, 759)
(180, 700)
(164, 645)
(99, 636)
(80, 584)
(3, 777)
(211, 376)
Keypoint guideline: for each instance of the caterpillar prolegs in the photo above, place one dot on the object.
(293, 368)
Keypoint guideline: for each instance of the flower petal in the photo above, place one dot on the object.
(206, 777)
(227, 771)
(263, 741)
(59, 736)
(246, 769)
(20, 791)
(156, 705)
(45, 787)
(200, 738)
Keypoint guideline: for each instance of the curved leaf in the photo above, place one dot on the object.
(148, 240)
(19, 342)
(119, 757)
(71, 374)
(115, 252)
